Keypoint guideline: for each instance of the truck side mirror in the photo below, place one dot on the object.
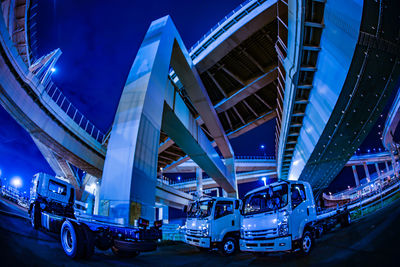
(185, 209)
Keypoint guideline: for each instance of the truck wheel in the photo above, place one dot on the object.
(89, 238)
(229, 246)
(35, 217)
(346, 220)
(306, 243)
(72, 240)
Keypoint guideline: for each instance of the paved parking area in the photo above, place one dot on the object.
(372, 241)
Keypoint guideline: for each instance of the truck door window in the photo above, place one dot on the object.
(57, 188)
(223, 208)
(298, 194)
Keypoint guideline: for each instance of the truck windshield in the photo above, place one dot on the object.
(271, 198)
(200, 209)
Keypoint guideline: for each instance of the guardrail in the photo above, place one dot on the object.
(235, 19)
(255, 157)
(58, 97)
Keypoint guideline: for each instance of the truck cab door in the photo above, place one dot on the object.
(300, 210)
(224, 220)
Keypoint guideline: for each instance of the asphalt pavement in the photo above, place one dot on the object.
(371, 241)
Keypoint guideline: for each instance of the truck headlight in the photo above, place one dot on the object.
(283, 229)
(205, 231)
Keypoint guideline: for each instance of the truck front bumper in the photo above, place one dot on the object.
(268, 245)
(203, 242)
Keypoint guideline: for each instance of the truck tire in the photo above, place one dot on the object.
(228, 246)
(90, 239)
(102, 242)
(306, 243)
(72, 240)
(35, 216)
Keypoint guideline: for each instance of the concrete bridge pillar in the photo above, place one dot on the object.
(130, 169)
(395, 171)
(164, 215)
(377, 168)
(199, 181)
(230, 165)
(366, 172)
(387, 166)
(355, 175)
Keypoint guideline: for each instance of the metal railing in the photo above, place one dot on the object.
(60, 100)
(255, 157)
(225, 28)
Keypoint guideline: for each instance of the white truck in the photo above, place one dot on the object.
(52, 208)
(214, 223)
(282, 217)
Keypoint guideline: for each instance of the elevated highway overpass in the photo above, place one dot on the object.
(309, 64)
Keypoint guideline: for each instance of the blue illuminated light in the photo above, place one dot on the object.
(53, 69)
(264, 179)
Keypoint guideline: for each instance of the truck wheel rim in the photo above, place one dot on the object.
(67, 240)
(306, 243)
(229, 247)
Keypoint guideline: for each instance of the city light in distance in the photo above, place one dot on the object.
(16, 181)
(179, 178)
(264, 179)
(262, 146)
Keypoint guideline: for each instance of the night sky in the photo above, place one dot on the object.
(99, 40)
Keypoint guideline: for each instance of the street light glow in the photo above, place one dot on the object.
(53, 69)
(16, 181)
(264, 179)
(262, 146)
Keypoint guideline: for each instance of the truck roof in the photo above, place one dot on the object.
(276, 183)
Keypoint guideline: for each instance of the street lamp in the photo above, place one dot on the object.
(53, 70)
(262, 148)
(16, 181)
(264, 179)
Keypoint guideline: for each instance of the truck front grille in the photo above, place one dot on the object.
(261, 234)
(193, 232)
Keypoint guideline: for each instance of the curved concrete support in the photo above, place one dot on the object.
(23, 97)
(129, 177)
(353, 77)
(392, 121)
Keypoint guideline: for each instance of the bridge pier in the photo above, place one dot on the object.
(366, 172)
(149, 103)
(387, 166)
(199, 182)
(377, 168)
(355, 175)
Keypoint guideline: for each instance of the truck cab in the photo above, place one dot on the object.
(214, 222)
(279, 217)
(51, 194)
(52, 208)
